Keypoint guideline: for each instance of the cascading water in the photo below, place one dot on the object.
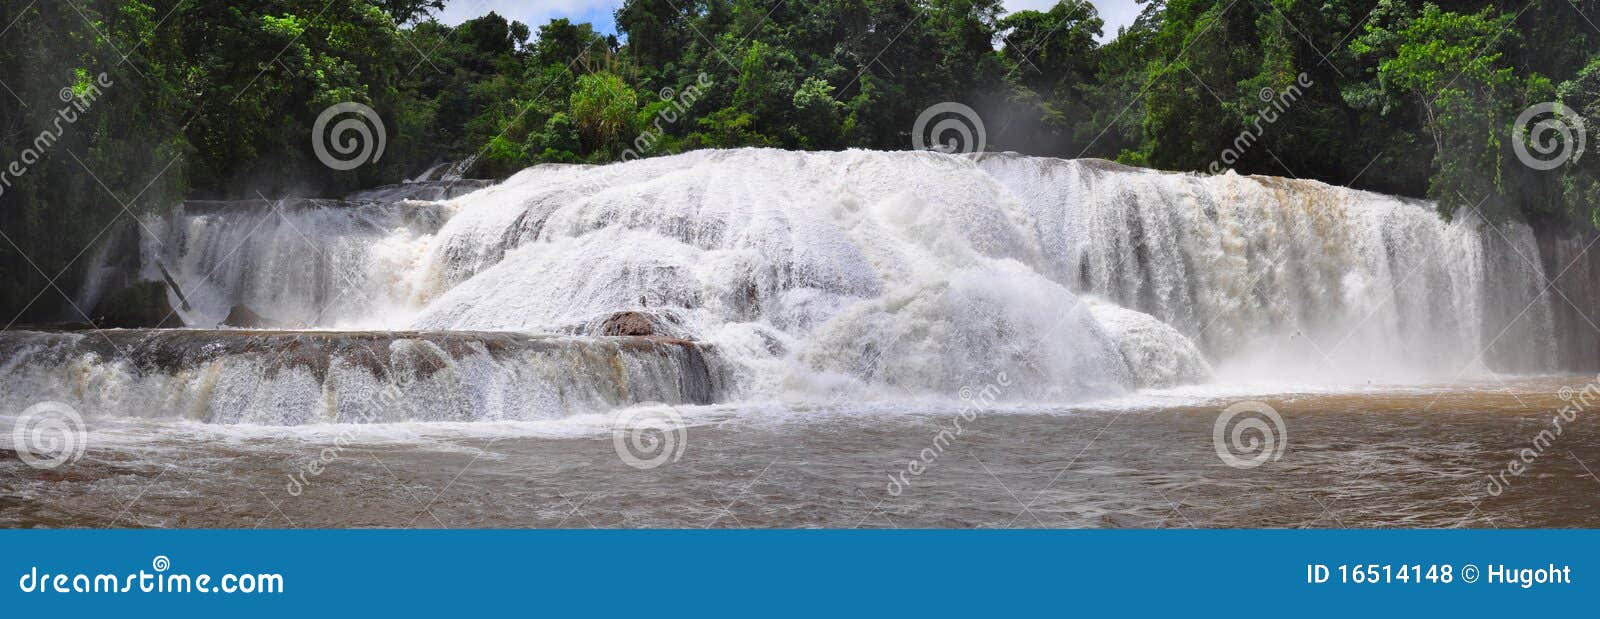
(322, 264)
(1282, 278)
(295, 378)
(766, 274)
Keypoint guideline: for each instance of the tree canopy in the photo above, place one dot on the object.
(218, 100)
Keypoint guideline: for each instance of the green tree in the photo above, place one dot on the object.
(602, 108)
(1452, 67)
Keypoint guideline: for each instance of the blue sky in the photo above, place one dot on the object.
(598, 12)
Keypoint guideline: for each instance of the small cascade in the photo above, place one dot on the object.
(459, 170)
(315, 263)
(298, 378)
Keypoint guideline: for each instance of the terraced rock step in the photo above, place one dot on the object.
(300, 377)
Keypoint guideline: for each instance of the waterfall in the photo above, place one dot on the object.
(1282, 276)
(319, 263)
(766, 274)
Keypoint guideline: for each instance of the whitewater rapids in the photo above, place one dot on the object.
(817, 276)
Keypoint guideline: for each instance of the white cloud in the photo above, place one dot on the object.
(1029, 5)
(1116, 13)
(534, 13)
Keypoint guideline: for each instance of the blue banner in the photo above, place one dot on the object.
(793, 573)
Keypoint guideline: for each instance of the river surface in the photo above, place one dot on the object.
(1411, 457)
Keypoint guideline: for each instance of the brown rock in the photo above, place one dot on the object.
(142, 305)
(629, 324)
(244, 318)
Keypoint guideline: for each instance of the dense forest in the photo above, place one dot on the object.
(115, 109)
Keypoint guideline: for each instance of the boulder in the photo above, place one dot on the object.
(141, 305)
(244, 318)
(630, 324)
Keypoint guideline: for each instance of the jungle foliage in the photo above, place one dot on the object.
(217, 99)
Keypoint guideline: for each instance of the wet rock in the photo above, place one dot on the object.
(55, 326)
(637, 324)
(1574, 289)
(244, 318)
(142, 305)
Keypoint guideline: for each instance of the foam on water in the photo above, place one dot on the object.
(317, 264)
(300, 378)
(1293, 277)
(871, 275)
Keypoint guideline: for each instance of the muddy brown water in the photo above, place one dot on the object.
(1402, 458)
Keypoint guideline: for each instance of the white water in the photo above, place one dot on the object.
(317, 266)
(811, 276)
